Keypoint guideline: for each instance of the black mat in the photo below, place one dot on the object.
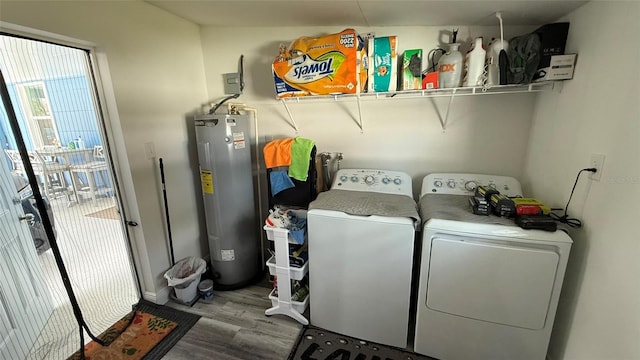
(320, 344)
(184, 320)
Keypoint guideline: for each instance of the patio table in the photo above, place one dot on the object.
(67, 154)
(69, 157)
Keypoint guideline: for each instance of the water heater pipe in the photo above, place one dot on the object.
(243, 107)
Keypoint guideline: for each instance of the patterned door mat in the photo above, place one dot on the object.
(320, 344)
(144, 332)
(152, 333)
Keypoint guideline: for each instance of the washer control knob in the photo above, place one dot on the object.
(397, 181)
(470, 185)
(451, 184)
(385, 180)
(369, 180)
(354, 179)
(437, 183)
(343, 178)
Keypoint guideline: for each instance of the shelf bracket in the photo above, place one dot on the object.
(443, 122)
(360, 115)
(293, 122)
(556, 86)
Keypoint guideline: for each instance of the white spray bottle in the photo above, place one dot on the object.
(474, 64)
(493, 56)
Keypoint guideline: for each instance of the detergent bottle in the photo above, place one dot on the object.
(80, 143)
(450, 67)
(474, 64)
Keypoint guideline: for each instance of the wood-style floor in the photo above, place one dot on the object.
(233, 327)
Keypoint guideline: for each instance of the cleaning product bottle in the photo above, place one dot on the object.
(497, 60)
(493, 62)
(474, 64)
(450, 67)
(80, 143)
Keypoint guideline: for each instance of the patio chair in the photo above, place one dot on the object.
(16, 161)
(52, 173)
(89, 169)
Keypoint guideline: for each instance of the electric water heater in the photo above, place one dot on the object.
(224, 156)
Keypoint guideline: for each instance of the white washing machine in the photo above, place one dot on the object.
(361, 240)
(488, 289)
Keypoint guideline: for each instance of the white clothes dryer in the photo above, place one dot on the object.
(361, 241)
(487, 289)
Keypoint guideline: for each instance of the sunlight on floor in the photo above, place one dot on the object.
(94, 249)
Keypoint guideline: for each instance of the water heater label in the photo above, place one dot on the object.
(206, 177)
(228, 255)
(238, 140)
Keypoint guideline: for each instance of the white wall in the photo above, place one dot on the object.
(486, 134)
(156, 71)
(597, 112)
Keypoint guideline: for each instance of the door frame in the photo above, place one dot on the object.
(111, 131)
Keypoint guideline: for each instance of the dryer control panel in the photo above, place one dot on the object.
(465, 184)
(382, 181)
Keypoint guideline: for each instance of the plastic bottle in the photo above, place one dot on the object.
(450, 67)
(474, 64)
(79, 143)
(492, 59)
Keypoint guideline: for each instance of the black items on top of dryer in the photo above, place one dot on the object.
(537, 222)
(529, 213)
(479, 205)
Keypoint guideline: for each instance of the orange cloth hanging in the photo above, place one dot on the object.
(278, 153)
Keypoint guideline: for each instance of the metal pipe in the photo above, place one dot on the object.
(326, 172)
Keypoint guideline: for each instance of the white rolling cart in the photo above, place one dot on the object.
(279, 266)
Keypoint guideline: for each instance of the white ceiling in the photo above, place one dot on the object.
(365, 12)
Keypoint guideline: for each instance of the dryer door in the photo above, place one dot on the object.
(500, 282)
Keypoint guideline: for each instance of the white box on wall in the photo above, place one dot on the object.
(561, 67)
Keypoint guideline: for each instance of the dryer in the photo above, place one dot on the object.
(487, 288)
(361, 241)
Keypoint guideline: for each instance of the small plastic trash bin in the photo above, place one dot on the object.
(205, 289)
(187, 292)
(184, 277)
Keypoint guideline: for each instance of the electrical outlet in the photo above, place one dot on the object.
(149, 150)
(597, 161)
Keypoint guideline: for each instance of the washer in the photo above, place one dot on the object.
(360, 265)
(487, 289)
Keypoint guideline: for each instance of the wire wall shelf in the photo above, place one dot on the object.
(426, 93)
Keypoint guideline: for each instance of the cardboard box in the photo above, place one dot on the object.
(411, 72)
(331, 64)
(430, 80)
(383, 64)
(561, 67)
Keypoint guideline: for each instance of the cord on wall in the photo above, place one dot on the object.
(564, 218)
